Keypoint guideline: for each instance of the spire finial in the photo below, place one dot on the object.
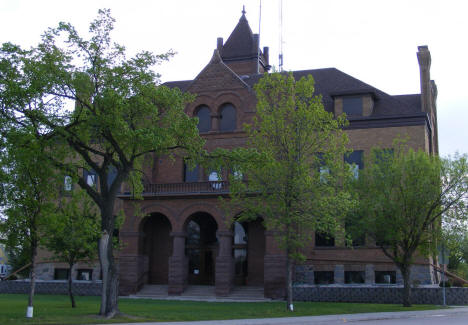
(243, 9)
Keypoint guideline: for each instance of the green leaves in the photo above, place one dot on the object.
(405, 193)
(291, 137)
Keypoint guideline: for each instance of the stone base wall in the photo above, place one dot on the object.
(420, 274)
(52, 287)
(384, 295)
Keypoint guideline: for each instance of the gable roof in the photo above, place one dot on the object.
(216, 76)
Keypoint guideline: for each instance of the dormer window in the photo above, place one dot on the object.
(204, 119)
(352, 105)
(228, 120)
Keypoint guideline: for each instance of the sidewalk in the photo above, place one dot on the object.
(327, 319)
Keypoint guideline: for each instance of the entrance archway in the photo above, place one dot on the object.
(248, 252)
(201, 248)
(157, 247)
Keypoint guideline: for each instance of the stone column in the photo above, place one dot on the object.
(214, 122)
(274, 268)
(224, 277)
(339, 274)
(178, 264)
(131, 271)
(370, 274)
(399, 277)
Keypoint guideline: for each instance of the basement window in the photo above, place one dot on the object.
(61, 274)
(385, 277)
(353, 277)
(84, 274)
(324, 277)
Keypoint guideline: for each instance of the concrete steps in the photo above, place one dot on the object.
(202, 293)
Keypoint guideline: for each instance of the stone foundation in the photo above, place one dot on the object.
(80, 288)
(384, 295)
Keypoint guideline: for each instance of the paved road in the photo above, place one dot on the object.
(452, 316)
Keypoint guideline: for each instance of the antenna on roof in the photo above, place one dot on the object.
(280, 64)
(258, 45)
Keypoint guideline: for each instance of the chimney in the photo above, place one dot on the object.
(219, 44)
(428, 95)
(424, 59)
(266, 54)
(255, 43)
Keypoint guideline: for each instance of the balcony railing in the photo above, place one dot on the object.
(213, 187)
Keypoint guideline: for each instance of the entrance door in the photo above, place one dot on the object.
(240, 253)
(201, 249)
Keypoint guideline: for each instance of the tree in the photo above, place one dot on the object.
(72, 233)
(403, 195)
(27, 195)
(120, 117)
(297, 180)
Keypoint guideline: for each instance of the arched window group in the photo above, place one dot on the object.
(227, 118)
(204, 119)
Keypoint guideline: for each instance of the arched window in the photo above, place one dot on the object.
(228, 118)
(204, 118)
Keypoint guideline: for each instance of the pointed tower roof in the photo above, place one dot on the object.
(241, 44)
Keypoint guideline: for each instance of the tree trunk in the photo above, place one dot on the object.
(70, 285)
(110, 283)
(32, 275)
(405, 271)
(289, 292)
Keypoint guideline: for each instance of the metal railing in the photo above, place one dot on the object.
(187, 188)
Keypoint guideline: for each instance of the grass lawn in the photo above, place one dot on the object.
(51, 309)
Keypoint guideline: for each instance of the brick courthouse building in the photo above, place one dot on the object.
(181, 236)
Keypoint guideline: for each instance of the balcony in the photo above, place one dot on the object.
(212, 188)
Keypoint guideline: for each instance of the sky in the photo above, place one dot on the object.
(374, 41)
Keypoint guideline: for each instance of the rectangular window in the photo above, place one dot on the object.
(385, 277)
(352, 277)
(84, 274)
(61, 274)
(90, 177)
(190, 173)
(352, 106)
(354, 231)
(323, 169)
(324, 240)
(354, 159)
(111, 175)
(324, 277)
(68, 183)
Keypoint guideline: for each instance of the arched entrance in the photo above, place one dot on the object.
(248, 252)
(156, 245)
(201, 248)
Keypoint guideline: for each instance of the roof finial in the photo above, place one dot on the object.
(243, 9)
